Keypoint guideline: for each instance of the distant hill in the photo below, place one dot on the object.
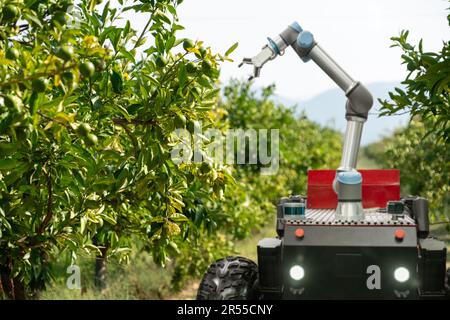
(328, 109)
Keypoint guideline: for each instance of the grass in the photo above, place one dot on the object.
(141, 279)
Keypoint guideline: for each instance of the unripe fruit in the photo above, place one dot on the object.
(206, 66)
(411, 66)
(39, 85)
(10, 13)
(198, 91)
(202, 52)
(67, 77)
(191, 68)
(160, 61)
(180, 121)
(91, 139)
(188, 44)
(12, 103)
(65, 52)
(60, 17)
(87, 69)
(84, 129)
(205, 167)
(12, 54)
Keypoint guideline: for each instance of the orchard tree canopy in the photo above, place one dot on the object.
(427, 86)
(88, 108)
(85, 127)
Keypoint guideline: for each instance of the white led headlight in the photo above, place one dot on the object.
(297, 272)
(401, 274)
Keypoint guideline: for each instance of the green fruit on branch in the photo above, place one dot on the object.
(187, 44)
(411, 66)
(60, 17)
(180, 121)
(205, 167)
(84, 129)
(12, 54)
(206, 65)
(65, 52)
(12, 103)
(191, 68)
(160, 61)
(87, 69)
(100, 65)
(202, 52)
(39, 85)
(10, 13)
(64, 5)
(67, 76)
(91, 139)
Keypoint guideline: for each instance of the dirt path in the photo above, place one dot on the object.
(189, 291)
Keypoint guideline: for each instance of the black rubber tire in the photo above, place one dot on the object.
(447, 284)
(448, 278)
(232, 278)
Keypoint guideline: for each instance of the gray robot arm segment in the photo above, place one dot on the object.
(359, 99)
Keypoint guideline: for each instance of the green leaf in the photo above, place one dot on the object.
(178, 217)
(115, 37)
(169, 43)
(8, 164)
(231, 49)
(117, 82)
(172, 9)
(182, 75)
(161, 16)
(108, 219)
(123, 111)
(7, 149)
(126, 54)
(83, 222)
(33, 19)
(3, 186)
(105, 11)
(126, 30)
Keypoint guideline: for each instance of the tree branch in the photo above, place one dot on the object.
(49, 211)
(37, 75)
(120, 121)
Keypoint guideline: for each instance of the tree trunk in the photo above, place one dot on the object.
(13, 288)
(100, 275)
(7, 286)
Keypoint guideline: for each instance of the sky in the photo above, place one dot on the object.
(355, 33)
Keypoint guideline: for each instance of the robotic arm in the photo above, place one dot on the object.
(347, 183)
(359, 99)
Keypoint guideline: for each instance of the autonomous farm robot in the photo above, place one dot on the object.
(352, 236)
